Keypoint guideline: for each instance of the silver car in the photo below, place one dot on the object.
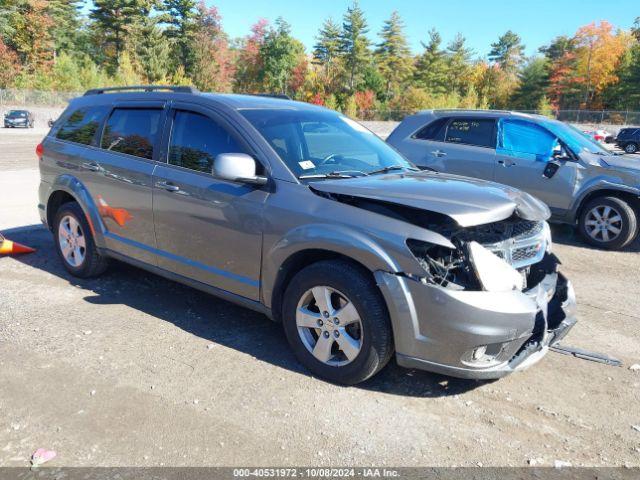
(302, 214)
(582, 182)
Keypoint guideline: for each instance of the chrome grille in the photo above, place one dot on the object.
(527, 229)
(525, 245)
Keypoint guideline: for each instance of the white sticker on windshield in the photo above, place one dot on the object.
(306, 164)
(355, 125)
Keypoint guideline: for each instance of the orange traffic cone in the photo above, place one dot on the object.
(7, 247)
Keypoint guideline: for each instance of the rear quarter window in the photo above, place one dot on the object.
(432, 131)
(81, 126)
(472, 131)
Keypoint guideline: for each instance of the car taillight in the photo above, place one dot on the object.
(40, 151)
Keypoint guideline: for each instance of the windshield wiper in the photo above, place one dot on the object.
(336, 174)
(391, 168)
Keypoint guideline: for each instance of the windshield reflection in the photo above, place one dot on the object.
(318, 144)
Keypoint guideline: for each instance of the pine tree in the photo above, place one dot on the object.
(534, 80)
(354, 45)
(326, 53)
(281, 53)
(431, 67)
(152, 51)
(458, 65)
(508, 52)
(65, 15)
(113, 20)
(635, 29)
(392, 53)
(181, 18)
(327, 47)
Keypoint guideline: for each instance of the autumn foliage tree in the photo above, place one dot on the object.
(598, 52)
(214, 65)
(59, 45)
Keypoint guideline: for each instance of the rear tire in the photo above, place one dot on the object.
(355, 329)
(608, 222)
(75, 244)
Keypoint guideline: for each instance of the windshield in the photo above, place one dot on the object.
(315, 143)
(17, 113)
(576, 140)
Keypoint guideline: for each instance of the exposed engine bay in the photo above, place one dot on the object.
(515, 245)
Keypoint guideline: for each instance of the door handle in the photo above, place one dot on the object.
(91, 166)
(439, 153)
(169, 187)
(509, 163)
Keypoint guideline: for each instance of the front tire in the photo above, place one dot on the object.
(631, 148)
(608, 222)
(337, 322)
(75, 244)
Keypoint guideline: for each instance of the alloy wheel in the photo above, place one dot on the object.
(73, 245)
(603, 223)
(329, 326)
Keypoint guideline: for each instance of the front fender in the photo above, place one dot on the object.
(599, 184)
(74, 187)
(339, 239)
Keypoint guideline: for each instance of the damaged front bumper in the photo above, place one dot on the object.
(476, 334)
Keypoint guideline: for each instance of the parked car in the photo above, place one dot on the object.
(628, 139)
(302, 214)
(582, 182)
(18, 118)
(598, 135)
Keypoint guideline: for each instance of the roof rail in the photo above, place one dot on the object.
(460, 110)
(283, 96)
(144, 88)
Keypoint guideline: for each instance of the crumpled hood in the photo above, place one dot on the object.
(467, 201)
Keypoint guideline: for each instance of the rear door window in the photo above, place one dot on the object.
(433, 131)
(81, 126)
(478, 132)
(132, 131)
(196, 140)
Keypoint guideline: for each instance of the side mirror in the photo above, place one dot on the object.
(551, 169)
(237, 167)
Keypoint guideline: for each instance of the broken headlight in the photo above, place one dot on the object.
(494, 273)
(470, 266)
(443, 266)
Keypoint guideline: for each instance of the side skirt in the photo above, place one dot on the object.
(218, 292)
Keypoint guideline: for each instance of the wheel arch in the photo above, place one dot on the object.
(67, 188)
(55, 201)
(630, 197)
(298, 261)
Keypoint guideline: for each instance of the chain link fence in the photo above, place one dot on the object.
(47, 105)
(35, 98)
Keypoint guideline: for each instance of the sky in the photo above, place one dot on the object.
(480, 21)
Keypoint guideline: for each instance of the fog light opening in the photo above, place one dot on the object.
(479, 352)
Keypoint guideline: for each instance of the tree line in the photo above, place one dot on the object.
(54, 45)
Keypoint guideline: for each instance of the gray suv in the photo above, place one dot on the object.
(580, 180)
(302, 214)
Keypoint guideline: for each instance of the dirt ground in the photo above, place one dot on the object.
(134, 370)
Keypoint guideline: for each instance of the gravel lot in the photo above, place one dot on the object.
(134, 370)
